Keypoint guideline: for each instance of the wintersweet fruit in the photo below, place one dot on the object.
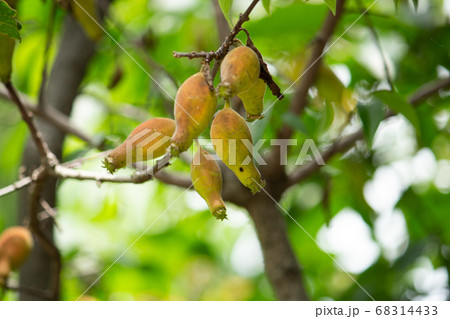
(253, 100)
(16, 244)
(239, 71)
(233, 144)
(207, 180)
(148, 141)
(195, 105)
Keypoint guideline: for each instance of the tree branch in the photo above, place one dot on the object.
(173, 179)
(223, 49)
(24, 182)
(343, 144)
(47, 157)
(377, 41)
(54, 117)
(299, 101)
(225, 46)
(300, 98)
(137, 178)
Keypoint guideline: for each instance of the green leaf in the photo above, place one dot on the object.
(294, 122)
(332, 5)
(371, 115)
(396, 103)
(266, 5)
(8, 25)
(416, 4)
(328, 84)
(225, 5)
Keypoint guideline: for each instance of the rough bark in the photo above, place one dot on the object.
(67, 73)
(280, 262)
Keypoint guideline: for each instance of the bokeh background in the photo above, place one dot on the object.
(386, 215)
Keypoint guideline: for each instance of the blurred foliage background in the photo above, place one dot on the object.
(382, 210)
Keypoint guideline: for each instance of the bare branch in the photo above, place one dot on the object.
(343, 144)
(193, 55)
(264, 70)
(300, 98)
(223, 49)
(140, 177)
(54, 117)
(47, 157)
(377, 43)
(173, 179)
(428, 90)
(226, 44)
(24, 182)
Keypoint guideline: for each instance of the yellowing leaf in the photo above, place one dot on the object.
(6, 52)
(329, 86)
(85, 11)
(349, 100)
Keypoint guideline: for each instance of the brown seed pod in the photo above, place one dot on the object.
(230, 133)
(207, 179)
(147, 141)
(15, 246)
(239, 71)
(195, 105)
(253, 100)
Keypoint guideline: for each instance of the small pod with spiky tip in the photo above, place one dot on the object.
(16, 244)
(148, 141)
(233, 143)
(195, 105)
(207, 180)
(238, 72)
(253, 100)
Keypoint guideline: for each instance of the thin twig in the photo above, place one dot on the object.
(54, 117)
(311, 68)
(193, 55)
(264, 70)
(179, 180)
(223, 49)
(225, 46)
(300, 98)
(378, 44)
(137, 178)
(24, 182)
(47, 157)
(48, 212)
(343, 144)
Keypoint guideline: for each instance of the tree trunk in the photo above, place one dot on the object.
(67, 73)
(281, 265)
